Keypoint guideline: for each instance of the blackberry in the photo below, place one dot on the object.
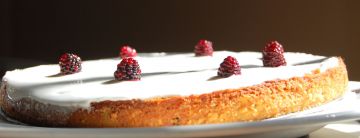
(204, 48)
(230, 66)
(127, 51)
(128, 69)
(69, 63)
(273, 55)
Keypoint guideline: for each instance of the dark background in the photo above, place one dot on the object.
(39, 31)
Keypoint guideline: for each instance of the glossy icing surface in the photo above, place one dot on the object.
(162, 75)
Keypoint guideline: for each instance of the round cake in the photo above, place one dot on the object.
(175, 89)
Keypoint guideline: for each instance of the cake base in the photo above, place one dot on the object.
(262, 101)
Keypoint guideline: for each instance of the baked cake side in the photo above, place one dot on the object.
(267, 100)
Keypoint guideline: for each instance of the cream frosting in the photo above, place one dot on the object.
(162, 75)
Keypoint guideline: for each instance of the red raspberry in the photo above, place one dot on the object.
(128, 69)
(273, 55)
(204, 48)
(230, 66)
(69, 63)
(127, 51)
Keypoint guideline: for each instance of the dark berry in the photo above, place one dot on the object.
(230, 66)
(69, 63)
(273, 55)
(204, 48)
(128, 69)
(127, 51)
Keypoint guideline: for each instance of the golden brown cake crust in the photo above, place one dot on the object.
(266, 100)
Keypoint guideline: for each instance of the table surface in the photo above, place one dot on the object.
(338, 130)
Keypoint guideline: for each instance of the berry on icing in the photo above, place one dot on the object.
(230, 66)
(204, 48)
(273, 55)
(128, 69)
(127, 51)
(69, 63)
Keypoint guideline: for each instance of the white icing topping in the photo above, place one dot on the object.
(163, 75)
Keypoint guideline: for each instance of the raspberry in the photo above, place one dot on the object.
(128, 69)
(204, 48)
(69, 63)
(273, 55)
(127, 51)
(230, 66)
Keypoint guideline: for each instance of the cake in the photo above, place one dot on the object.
(175, 89)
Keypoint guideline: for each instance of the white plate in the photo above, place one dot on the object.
(292, 125)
